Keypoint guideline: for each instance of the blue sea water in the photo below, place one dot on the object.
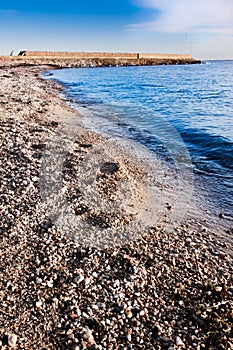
(161, 107)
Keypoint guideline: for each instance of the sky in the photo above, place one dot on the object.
(203, 28)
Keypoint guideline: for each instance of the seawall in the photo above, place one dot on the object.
(94, 59)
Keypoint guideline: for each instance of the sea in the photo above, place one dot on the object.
(178, 112)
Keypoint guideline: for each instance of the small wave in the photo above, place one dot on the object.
(212, 147)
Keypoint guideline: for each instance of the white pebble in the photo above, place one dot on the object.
(50, 284)
(129, 337)
(35, 178)
(12, 340)
(142, 313)
(87, 281)
(38, 304)
(179, 342)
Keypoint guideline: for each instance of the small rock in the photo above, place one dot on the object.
(38, 304)
(87, 335)
(12, 340)
(142, 313)
(78, 279)
(179, 342)
(94, 307)
(75, 347)
(116, 284)
(35, 179)
(129, 314)
(87, 281)
(165, 339)
(129, 337)
(50, 284)
(129, 334)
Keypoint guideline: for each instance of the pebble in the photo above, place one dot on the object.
(87, 281)
(78, 279)
(39, 304)
(88, 337)
(129, 337)
(75, 347)
(129, 314)
(179, 342)
(12, 340)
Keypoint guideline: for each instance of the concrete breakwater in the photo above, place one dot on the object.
(55, 54)
(95, 59)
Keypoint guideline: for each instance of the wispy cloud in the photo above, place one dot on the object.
(8, 13)
(210, 16)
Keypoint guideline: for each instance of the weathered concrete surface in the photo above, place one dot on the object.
(58, 54)
(116, 55)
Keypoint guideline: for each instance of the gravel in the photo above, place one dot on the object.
(163, 290)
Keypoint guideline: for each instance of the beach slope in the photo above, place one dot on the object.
(165, 289)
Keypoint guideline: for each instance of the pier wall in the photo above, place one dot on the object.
(53, 54)
(77, 54)
(94, 59)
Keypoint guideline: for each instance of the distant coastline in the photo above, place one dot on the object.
(96, 59)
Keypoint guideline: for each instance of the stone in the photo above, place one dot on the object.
(12, 340)
(50, 284)
(79, 278)
(129, 314)
(75, 347)
(179, 342)
(87, 281)
(38, 304)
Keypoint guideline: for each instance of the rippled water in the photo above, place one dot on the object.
(148, 103)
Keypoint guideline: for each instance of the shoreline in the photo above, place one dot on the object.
(209, 215)
(162, 289)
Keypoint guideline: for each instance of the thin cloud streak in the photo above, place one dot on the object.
(197, 16)
(8, 13)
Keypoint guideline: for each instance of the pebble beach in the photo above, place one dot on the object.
(163, 290)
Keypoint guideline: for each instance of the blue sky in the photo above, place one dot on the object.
(202, 27)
